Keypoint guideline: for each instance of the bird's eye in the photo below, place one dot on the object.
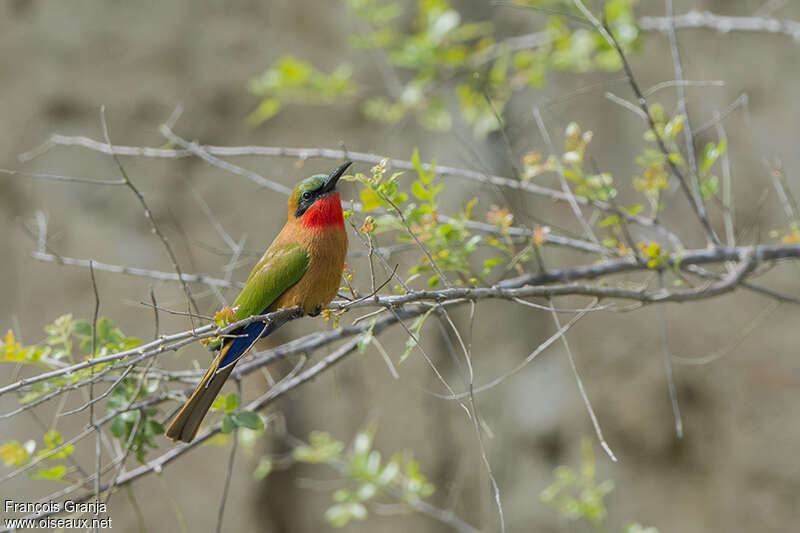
(306, 195)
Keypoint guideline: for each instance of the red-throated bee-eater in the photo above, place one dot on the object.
(302, 267)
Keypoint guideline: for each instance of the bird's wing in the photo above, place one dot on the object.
(280, 268)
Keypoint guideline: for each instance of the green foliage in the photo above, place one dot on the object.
(12, 453)
(322, 448)
(263, 469)
(595, 186)
(709, 183)
(242, 419)
(655, 177)
(58, 347)
(368, 476)
(53, 441)
(291, 81)
(108, 338)
(445, 58)
(54, 473)
(451, 244)
(577, 496)
(137, 427)
(653, 254)
(366, 338)
(226, 402)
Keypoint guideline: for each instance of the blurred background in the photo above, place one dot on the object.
(736, 468)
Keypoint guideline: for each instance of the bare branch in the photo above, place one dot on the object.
(582, 390)
(148, 215)
(325, 153)
(682, 104)
(134, 271)
(56, 177)
(722, 24)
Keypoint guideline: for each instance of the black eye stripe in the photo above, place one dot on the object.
(307, 199)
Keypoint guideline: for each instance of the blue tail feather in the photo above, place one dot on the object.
(247, 336)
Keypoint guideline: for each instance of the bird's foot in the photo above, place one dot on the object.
(316, 311)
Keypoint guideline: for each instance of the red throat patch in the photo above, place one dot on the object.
(326, 212)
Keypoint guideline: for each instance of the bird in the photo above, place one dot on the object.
(301, 268)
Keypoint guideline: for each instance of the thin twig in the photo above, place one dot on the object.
(229, 470)
(97, 429)
(56, 177)
(695, 202)
(325, 153)
(722, 24)
(416, 239)
(563, 179)
(673, 392)
(149, 215)
(682, 104)
(134, 271)
(198, 150)
(728, 212)
(584, 396)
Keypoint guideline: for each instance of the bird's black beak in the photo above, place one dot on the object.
(330, 183)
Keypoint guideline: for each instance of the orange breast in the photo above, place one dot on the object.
(326, 249)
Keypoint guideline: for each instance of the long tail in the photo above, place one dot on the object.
(186, 423)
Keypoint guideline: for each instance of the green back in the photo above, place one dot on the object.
(279, 269)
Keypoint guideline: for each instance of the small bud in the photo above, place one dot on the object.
(540, 234)
(368, 226)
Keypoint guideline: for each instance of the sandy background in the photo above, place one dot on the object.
(736, 470)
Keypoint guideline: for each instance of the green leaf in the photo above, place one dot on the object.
(103, 330)
(248, 419)
(153, 428)
(711, 152)
(83, 328)
(54, 473)
(119, 427)
(418, 190)
(366, 338)
(709, 187)
(228, 423)
(231, 401)
(263, 468)
(268, 108)
(612, 220)
(369, 199)
(674, 126)
(416, 163)
(340, 514)
(322, 449)
(14, 454)
(635, 209)
(52, 438)
(218, 403)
